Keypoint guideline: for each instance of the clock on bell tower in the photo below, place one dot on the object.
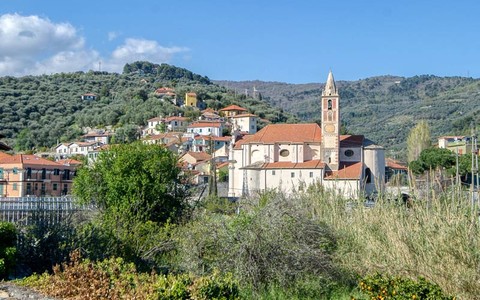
(330, 123)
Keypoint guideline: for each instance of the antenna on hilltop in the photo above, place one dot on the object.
(99, 66)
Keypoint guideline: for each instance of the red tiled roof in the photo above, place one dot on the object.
(209, 110)
(393, 164)
(93, 134)
(233, 107)
(286, 133)
(154, 119)
(214, 138)
(69, 162)
(28, 159)
(4, 155)
(175, 118)
(221, 165)
(198, 156)
(346, 171)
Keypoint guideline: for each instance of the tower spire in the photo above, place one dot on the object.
(330, 87)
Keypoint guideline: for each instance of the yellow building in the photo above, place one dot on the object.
(191, 99)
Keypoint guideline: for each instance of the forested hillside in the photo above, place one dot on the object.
(40, 111)
(383, 108)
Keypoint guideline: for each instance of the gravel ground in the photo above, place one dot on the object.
(10, 291)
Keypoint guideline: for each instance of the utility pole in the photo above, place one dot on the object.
(474, 166)
(212, 182)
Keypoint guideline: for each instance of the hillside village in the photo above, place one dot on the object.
(228, 138)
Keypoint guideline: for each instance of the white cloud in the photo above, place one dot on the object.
(35, 45)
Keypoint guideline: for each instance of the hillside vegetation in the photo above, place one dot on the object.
(383, 108)
(40, 111)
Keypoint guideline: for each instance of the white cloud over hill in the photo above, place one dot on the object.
(35, 45)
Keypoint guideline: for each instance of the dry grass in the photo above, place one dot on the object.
(438, 239)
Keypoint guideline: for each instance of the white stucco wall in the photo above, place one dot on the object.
(374, 159)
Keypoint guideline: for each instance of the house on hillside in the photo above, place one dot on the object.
(203, 143)
(191, 100)
(89, 96)
(206, 128)
(290, 157)
(232, 110)
(457, 144)
(246, 123)
(100, 137)
(29, 175)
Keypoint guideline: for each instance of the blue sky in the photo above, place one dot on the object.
(287, 41)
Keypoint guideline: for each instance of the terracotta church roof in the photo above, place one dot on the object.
(286, 133)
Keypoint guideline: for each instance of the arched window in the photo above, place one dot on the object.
(368, 175)
(329, 104)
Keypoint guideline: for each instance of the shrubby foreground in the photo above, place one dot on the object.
(311, 245)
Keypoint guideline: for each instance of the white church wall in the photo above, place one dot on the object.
(346, 188)
(375, 161)
(311, 152)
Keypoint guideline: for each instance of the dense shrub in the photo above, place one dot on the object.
(8, 237)
(274, 242)
(385, 287)
(116, 279)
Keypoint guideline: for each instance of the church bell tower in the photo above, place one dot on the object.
(331, 124)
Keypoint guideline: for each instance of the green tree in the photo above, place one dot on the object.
(8, 238)
(434, 158)
(135, 181)
(139, 192)
(418, 140)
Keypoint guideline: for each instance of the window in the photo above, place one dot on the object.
(284, 152)
(311, 174)
(273, 172)
(329, 104)
(29, 173)
(55, 186)
(15, 186)
(29, 188)
(44, 173)
(368, 176)
(349, 153)
(56, 171)
(292, 174)
(15, 170)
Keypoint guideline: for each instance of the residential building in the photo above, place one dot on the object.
(289, 157)
(205, 142)
(89, 96)
(232, 110)
(101, 137)
(206, 128)
(29, 175)
(246, 123)
(457, 144)
(191, 99)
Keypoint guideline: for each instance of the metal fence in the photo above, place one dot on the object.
(32, 210)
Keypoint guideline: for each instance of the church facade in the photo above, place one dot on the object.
(289, 157)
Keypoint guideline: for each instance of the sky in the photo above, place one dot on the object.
(286, 41)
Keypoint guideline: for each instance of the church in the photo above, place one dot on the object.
(290, 157)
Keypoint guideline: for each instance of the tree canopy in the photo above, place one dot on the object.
(136, 181)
